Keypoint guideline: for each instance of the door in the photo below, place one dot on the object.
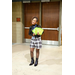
(31, 10)
(50, 22)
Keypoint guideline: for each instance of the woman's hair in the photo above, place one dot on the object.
(36, 19)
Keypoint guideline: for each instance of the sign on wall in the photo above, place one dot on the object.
(18, 19)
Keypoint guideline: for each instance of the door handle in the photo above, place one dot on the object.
(26, 27)
(47, 28)
(51, 29)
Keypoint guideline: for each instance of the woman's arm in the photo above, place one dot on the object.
(30, 31)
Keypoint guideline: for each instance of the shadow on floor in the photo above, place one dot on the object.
(27, 56)
(17, 48)
(47, 62)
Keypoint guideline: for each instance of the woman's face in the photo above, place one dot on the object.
(34, 21)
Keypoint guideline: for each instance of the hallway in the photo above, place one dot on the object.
(50, 60)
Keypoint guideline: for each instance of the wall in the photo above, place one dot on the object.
(17, 27)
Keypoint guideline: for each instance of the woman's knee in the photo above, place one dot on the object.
(37, 50)
(31, 50)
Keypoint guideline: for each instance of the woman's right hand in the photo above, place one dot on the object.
(33, 34)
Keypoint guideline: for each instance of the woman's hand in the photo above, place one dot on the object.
(38, 33)
(33, 34)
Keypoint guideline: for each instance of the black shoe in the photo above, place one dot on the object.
(36, 63)
(32, 62)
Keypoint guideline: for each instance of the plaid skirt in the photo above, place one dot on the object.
(36, 43)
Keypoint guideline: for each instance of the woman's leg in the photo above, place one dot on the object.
(37, 53)
(32, 57)
(37, 56)
(31, 52)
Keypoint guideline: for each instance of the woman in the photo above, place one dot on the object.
(35, 41)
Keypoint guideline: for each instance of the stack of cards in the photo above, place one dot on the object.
(36, 30)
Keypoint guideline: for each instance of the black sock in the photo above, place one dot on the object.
(32, 61)
(36, 63)
(32, 58)
(36, 59)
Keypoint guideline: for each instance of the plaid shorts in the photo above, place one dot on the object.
(36, 43)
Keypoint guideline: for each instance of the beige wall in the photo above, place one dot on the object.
(13, 32)
(17, 27)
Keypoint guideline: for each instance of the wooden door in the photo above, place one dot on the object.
(50, 19)
(31, 10)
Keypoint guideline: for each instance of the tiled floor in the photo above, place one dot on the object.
(50, 60)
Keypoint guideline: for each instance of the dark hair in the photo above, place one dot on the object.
(36, 19)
